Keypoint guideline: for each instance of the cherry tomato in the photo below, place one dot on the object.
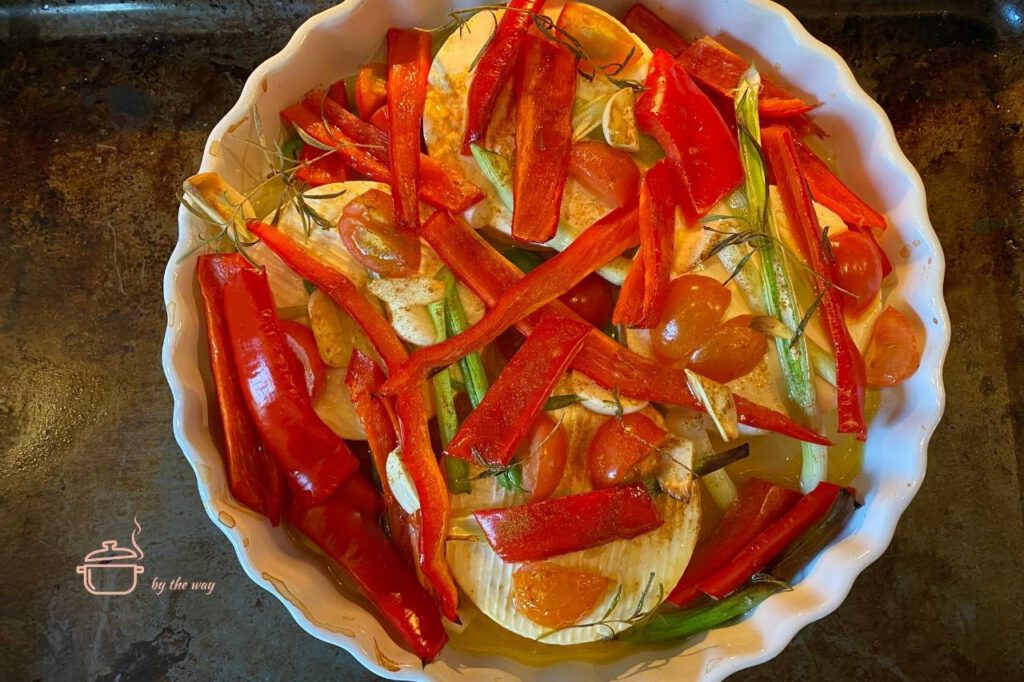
(317, 167)
(591, 299)
(858, 269)
(371, 89)
(694, 305)
(303, 346)
(543, 456)
(554, 596)
(605, 40)
(893, 353)
(609, 173)
(619, 445)
(368, 230)
(731, 352)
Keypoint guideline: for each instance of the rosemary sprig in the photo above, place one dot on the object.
(638, 616)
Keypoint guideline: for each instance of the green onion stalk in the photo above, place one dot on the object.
(671, 624)
(778, 295)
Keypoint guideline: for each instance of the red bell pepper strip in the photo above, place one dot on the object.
(408, 66)
(495, 66)
(829, 191)
(540, 530)
(371, 89)
(545, 88)
(758, 504)
(851, 382)
(381, 120)
(318, 167)
(417, 454)
(489, 274)
(657, 239)
(313, 457)
(338, 93)
(595, 246)
(355, 155)
(363, 379)
(362, 549)
(253, 475)
(653, 30)
(691, 131)
(494, 430)
(302, 346)
(440, 186)
(359, 494)
(770, 542)
(629, 306)
(718, 70)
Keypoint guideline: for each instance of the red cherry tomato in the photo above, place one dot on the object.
(858, 270)
(302, 344)
(371, 89)
(543, 457)
(609, 173)
(619, 445)
(694, 305)
(368, 230)
(591, 299)
(732, 351)
(893, 353)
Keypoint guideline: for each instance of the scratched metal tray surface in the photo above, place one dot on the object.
(104, 106)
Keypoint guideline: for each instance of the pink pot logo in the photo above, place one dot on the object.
(112, 570)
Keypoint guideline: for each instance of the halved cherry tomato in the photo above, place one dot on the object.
(732, 351)
(609, 173)
(368, 230)
(318, 167)
(302, 344)
(893, 352)
(591, 299)
(858, 270)
(554, 596)
(371, 89)
(543, 455)
(619, 445)
(604, 40)
(694, 306)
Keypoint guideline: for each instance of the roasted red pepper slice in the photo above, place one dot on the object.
(691, 131)
(495, 66)
(758, 504)
(829, 191)
(360, 547)
(653, 30)
(489, 274)
(313, 457)
(408, 66)
(440, 186)
(363, 379)
(545, 88)
(540, 530)
(770, 542)
(356, 156)
(595, 246)
(417, 455)
(851, 382)
(718, 69)
(318, 167)
(493, 431)
(657, 239)
(629, 306)
(339, 93)
(302, 345)
(253, 475)
(371, 89)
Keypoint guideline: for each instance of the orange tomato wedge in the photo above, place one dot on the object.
(605, 41)
(554, 596)
(893, 354)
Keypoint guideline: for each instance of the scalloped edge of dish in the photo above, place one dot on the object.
(266, 554)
